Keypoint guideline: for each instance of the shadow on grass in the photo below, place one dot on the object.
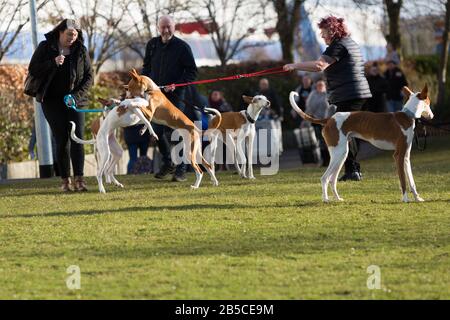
(187, 207)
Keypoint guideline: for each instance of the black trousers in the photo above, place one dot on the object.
(164, 133)
(351, 165)
(58, 116)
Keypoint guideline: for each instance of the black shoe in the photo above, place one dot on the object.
(352, 176)
(165, 170)
(179, 177)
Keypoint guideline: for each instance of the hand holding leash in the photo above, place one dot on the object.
(60, 59)
(289, 67)
(169, 88)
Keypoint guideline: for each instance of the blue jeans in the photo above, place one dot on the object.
(394, 105)
(133, 150)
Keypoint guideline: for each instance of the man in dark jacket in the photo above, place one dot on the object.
(378, 87)
(276, 110)
(61, 66)
(169, 60)
(396, 81)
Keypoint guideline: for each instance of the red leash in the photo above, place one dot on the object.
(235, 77)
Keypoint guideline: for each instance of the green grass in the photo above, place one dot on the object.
(271, 238)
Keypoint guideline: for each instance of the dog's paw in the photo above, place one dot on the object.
(194, 187)
(419, 199)
(252, 177)
(339, 199)
(142, 131)
(215, 183)
(125, 103)
(154, 136)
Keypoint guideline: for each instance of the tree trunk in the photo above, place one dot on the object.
(287, 22)
(393, 11)
(442, 74)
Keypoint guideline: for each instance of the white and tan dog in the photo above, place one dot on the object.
(144, 97)
(387, 131)
(238, 129)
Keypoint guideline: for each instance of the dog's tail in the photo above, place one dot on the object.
(217, 113)
(76, 139)
(303, 114)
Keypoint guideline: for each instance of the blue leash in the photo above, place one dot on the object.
(69, 98)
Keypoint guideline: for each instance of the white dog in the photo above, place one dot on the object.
(105, 140)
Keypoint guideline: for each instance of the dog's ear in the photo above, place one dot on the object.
(407, 92)
(103, 101)
(133, 73)
(247, 99)
(424, 93)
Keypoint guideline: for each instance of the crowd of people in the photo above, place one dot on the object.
(335, 82)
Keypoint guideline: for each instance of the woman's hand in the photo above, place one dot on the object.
(59, 60)
(289, 67)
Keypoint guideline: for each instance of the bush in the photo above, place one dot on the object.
(16, 114)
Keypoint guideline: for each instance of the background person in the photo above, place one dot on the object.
(396, 80)
(317, 105)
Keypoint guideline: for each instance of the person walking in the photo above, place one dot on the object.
(61, 64)
(343, 67)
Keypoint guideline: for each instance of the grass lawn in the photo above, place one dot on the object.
(271, 238)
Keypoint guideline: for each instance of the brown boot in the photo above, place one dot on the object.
(65, 186)
(80, 184)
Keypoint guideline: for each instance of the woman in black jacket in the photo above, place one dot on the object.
(62, 64)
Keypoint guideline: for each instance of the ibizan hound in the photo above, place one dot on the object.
(239, 126)
(145, 97)
(387, 131)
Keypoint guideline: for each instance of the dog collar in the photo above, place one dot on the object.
(409, 113)
(249, 118)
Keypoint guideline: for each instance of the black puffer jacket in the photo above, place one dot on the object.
(43, 66)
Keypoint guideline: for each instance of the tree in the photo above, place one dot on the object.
(142, 22)
(442, 74)
(393, 8)
(11, 23)
(288, 18)
(102, 24)
(228, 23)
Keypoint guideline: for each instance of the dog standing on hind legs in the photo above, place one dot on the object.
(145, 102)
(387, 131)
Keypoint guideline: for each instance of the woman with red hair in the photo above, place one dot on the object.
(343, 67)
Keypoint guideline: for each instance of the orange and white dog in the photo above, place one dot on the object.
(238, 130)
(144, 103)
(387, 131)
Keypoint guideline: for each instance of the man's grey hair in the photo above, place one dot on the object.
(168, 17)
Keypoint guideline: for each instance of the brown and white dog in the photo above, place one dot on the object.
(387, 131)
(144, 97)
(238, 129)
